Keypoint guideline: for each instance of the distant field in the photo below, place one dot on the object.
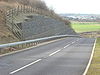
(95, 65)
(85, 26)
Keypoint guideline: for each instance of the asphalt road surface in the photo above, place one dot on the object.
(68, 56)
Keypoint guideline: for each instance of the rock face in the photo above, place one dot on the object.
(38, 26)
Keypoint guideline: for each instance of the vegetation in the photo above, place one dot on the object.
(39, 5)
(95, 65)
(33, 3)
(86, 26)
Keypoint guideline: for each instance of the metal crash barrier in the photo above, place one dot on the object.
(25, 44)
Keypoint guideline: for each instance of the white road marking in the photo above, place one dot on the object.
(39, 59)
(91, 57)
(54, 52)
(67, 46)
(71, 43)
(64, 47)
(25, 66)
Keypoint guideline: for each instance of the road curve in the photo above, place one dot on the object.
(68, 56)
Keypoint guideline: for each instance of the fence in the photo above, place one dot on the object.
(12, 13)
(27, 9)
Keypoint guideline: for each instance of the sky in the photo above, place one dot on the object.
(74, 6)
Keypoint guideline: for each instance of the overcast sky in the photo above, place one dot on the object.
(74, 6)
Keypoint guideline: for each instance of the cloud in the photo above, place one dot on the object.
(75, 6)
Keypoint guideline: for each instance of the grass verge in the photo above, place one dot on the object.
(94, 68)
(85, 26)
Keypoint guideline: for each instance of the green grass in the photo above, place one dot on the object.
(95, 65)
(85, 26)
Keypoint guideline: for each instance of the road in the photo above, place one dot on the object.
(68, 56)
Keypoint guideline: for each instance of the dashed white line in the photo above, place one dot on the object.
(67, 46)
(71, 43)
(61, 49)
(38, 60)
(54, 52)
(25, 66)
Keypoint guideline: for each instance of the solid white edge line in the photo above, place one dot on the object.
(88, 65)
(25, 66)
(36, 61)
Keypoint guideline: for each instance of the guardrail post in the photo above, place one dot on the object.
(25, 45)
(0, 50)
(9, 49)
(28, 43)
(22, 45)
(18, 46)
(32, 44)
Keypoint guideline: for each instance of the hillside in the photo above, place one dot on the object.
(6, 35)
